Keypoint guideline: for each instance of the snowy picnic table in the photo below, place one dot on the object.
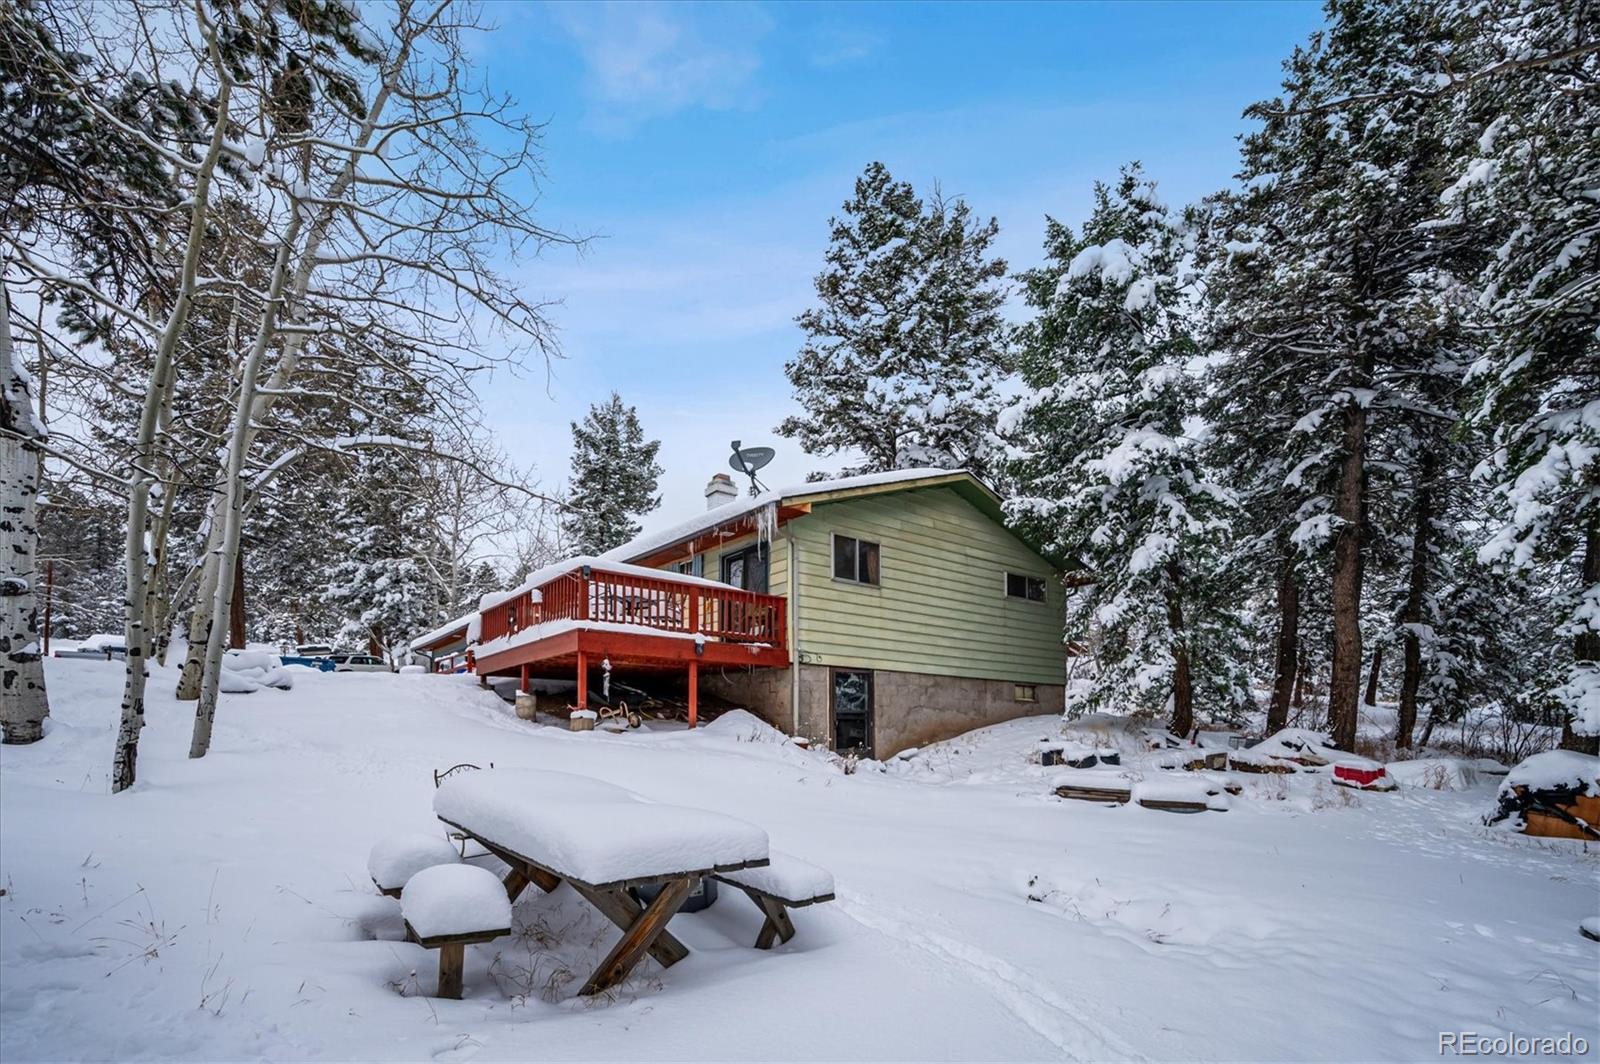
(603, 841)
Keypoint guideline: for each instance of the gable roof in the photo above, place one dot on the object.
(961, 481)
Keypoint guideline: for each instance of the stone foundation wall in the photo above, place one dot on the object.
(764, 692)
(909, 709)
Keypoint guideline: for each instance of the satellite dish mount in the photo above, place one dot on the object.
(747, 460)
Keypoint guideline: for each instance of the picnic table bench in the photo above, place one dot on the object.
(603, 841)
(784, 883)
(449, 907)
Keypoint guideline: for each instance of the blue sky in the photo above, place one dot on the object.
(705, 147)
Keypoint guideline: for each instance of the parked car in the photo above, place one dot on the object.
(311, 661)
(358, 663)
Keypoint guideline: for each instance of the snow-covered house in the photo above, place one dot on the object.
(444, 649)
(877, 612)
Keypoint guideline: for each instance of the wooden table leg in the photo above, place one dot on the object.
(620, 908)
(639, 937)
(522, 874)
(516, 881)
(777, 925)
(452, 958)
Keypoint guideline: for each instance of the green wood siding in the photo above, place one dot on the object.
(940, 606)
(777, 563)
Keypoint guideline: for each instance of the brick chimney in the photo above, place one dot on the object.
(720, 491)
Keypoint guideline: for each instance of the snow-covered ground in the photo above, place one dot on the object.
(222, 909)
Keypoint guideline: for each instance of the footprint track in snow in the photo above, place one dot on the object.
(1053, 1017)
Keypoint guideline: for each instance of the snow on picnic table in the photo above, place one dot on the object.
(221, 911)
(455, 899)
(786, 877)
(592, 831)
(396, 858)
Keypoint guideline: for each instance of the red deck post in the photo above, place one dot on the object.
(524, 688)
(583, 680)
(694, 692)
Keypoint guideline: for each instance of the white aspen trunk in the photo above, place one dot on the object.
(206, 573)
(233, 490)
(155, 585)
(124, 765)
(169, 604)
(252, 408)
(23, 704)
(194, 658)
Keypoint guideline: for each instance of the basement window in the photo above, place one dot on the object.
(1025, 692)
(1025, 587)
(855, 560)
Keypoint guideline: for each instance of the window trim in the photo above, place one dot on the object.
(833, 538)
(1044, 587)
(1031, 696)
(758, 552)
(871, 716)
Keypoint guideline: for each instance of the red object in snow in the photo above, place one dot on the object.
(1362, 777)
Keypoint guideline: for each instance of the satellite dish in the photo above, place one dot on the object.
(747, 460)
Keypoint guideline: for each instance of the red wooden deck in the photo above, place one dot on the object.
(636, 622)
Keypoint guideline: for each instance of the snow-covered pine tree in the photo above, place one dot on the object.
(80, 538)
(1110, 471)
(1527, 178)
(1486, 658)
(613, 481)
(957, 322)
(906, 341)
(1332, 212)
(483, 580)
(378, 584)
(1245, 307)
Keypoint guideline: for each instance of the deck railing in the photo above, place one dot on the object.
(593, 594)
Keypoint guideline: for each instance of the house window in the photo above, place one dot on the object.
(1025, 692)
(1025, 587)
(684, 567)
(855, 560)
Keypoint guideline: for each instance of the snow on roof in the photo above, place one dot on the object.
(463, 623)
(545, 629)
(605, 561)
(651, 542)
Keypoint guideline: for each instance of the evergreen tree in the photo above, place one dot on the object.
(484, 580)
(905, 344)
(1527, 177)
(378, 584)
(614, 474)
(1111, 470)
(1319, 286)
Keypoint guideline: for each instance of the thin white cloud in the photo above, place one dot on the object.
(646, 60)
(837, 44)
